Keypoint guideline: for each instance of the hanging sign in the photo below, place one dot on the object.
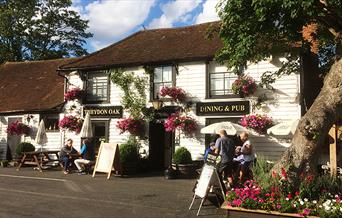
(110, 111)
(222, 108)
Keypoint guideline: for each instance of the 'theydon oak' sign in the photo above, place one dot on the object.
(222, 108)
(111, 111)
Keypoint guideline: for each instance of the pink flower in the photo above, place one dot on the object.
(306, 212)
(177, 94)
(237, 202)
(75, 93)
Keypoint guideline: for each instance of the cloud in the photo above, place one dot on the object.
(209, 12)
(174, 11)
(112, 20)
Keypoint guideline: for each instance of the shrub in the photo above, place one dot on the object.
(129, 152)
(182, 156)
(24, 147)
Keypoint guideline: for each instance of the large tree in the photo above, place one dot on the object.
(254, 29)
(40, 29)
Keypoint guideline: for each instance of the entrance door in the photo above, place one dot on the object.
(13, 140)
(161, 143)
(100, 132)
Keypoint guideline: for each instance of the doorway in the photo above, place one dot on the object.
(13, 140)
(160, 146)
(100, 132)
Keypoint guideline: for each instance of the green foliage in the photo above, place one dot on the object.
(261, 172)
(182, 156)
(252, 30)
(24, 147)
(40, 29)
(129, 152)
(134, 89)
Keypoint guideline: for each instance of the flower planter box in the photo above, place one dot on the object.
(237, 212)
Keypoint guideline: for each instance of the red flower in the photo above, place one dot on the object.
(75, 93)
(186, 124)
(260, 123)
(283, 173)
(18, 128)
(177, 94)
(131, 125)
(297, 193)
(289, 196)
(71, 123)
(244, 86)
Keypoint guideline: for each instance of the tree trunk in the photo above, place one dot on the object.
(314, 126)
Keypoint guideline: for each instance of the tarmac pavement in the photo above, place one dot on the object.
(29, 193)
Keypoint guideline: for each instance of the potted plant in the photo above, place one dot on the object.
(244, 86)
(18, 128)
(182, 163)
(75, 93)
(134, 126)
(23, 147)
(185, 124)
(71, 123)
(176, 94)
(129, 156)
(257, 122)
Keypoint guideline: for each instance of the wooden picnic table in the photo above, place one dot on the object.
(38, 158)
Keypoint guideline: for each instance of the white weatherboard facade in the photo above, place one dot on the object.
(282, 103)
(32, 120)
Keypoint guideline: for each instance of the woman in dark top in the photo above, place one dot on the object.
(66, 155)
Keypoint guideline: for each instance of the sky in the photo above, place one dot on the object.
(113, 20)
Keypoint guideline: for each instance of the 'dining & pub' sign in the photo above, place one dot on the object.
(222, 108)
(110, 111)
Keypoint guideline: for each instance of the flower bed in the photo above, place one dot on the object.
(75, 93)
(186, 124)
(131, 125)
(314, 196)
(176, 94)
(71, 123)
(257, 122)
(18, 128)
(244, 86)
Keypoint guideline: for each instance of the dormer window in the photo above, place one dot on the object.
(97, 87)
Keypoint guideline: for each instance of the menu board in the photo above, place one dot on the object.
(108, 155)
(204, 181)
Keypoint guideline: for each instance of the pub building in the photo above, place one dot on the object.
(180, 57)
(30, 91)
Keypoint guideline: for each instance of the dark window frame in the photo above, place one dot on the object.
(152, 83)
(46, 117)
(95, 73)
(208, 86)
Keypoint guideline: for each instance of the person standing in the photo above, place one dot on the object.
(67, 155)
(88, 157)
(224, 146)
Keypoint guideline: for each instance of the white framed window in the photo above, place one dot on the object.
(97, 87)
(162, 76)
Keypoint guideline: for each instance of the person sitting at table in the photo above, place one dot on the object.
(67, 155)
(88, 157)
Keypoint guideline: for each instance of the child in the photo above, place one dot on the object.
(209, 150)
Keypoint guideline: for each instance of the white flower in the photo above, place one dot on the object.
(341, 209)
(314, 201)
(320, 206)
(294, 205)
(305, 199)
(336, 196)
(334, 200)
(301, 202)
(287, 199)
(327, 208)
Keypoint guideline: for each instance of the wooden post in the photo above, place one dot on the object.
(332, 151)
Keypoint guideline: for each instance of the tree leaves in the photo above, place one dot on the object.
(40, 29)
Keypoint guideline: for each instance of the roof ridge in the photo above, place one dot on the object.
(105, 48)
(183, 27)
(130, 36)
(37, 61)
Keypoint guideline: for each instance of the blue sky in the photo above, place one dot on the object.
(112, 20)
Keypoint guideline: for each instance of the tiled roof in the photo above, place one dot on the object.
(156, 46)
(31, 86)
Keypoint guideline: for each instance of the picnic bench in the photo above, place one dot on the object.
(39, 158)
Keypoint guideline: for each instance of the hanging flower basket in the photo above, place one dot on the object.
(132, 125)
(244, 86)
(176, 94)
(75, 93)
(257, 122)
(186, 124)
(71, 123)
(18, 128)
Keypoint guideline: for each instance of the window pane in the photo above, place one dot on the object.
(167, 74)
(158, 73)
(97, 88)
(156, 89)
(216, 84)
